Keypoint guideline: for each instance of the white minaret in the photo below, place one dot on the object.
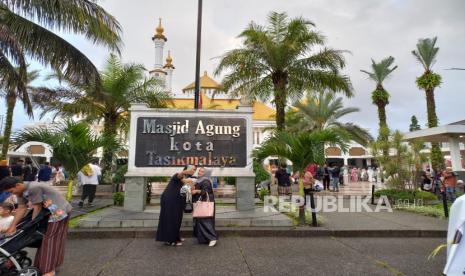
(169, 72)
(159, 40)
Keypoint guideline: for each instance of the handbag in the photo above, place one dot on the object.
(203, 209)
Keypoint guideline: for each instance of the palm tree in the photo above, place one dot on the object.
(282, 60)
(121, 84)
(380, 97)
(301, 149)
(11, 94)
(324, 112)
(73, 145)
(425, 54)
(24, 30)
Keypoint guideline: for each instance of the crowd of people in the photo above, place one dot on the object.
(445, 181)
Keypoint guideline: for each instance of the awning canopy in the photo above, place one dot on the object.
(439, 134)
(452, 133)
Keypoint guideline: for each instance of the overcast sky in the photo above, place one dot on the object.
(367, 28)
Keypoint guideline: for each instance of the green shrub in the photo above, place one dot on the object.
(407, 195)
(263, 192)
(119, 174)
(118, 199)
(260, 173)
(157, 179)
(230, 180)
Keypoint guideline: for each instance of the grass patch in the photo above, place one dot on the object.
(73, 222)
(436, 210)
(406, 195)
(294, 215)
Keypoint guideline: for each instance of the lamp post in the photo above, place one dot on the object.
(197, 57)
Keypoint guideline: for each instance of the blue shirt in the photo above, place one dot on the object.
(45, 173)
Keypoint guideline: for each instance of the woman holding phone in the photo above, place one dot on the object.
(172, 205)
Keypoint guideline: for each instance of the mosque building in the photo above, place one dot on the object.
(212, 95)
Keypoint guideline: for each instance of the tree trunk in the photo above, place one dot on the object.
(280, 97)
(437, 159)
(109, 130)
(11, 102)
(383, 127)
(382, 115)
(431, 108)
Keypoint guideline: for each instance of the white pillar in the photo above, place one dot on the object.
(455, 156)
(159, 44)
(169, 78)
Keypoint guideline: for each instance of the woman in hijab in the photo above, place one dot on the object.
(172, 205)
(204, 228)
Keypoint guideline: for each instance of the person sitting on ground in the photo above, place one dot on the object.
(5, 216)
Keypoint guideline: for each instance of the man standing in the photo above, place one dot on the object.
(326, 177)
(284, 181)
(450, 182)
(45, 173)
(335, 171)
(50, 254)
(89, 178)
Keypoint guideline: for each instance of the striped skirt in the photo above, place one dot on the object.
(51, 253)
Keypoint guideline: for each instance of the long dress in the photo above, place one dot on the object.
(204, 228)
(172, 205)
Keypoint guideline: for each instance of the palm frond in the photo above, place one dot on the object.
(426, 52)
(77, 16)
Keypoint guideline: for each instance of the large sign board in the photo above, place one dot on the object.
(177, 141)
(163, 140)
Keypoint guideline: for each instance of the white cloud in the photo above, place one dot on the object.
(369, 29)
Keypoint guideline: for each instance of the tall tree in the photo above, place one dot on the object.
(28, 28)
(324, 111)
(11, 94)
(426, 53)
(73, 145)
(301, 149)
(121, 84)
(380, 97)
(414, 124)
(281, 61)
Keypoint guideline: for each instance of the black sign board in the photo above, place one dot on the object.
(176, 142)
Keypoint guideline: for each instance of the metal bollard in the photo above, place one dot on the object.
(444, 204)
(373, 194)
(312, 205)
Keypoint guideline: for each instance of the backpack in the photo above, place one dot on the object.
(87, 170)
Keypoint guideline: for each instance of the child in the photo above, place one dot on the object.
(56, 214)
(5, 216)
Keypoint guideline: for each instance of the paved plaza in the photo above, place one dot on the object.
(254, 256)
